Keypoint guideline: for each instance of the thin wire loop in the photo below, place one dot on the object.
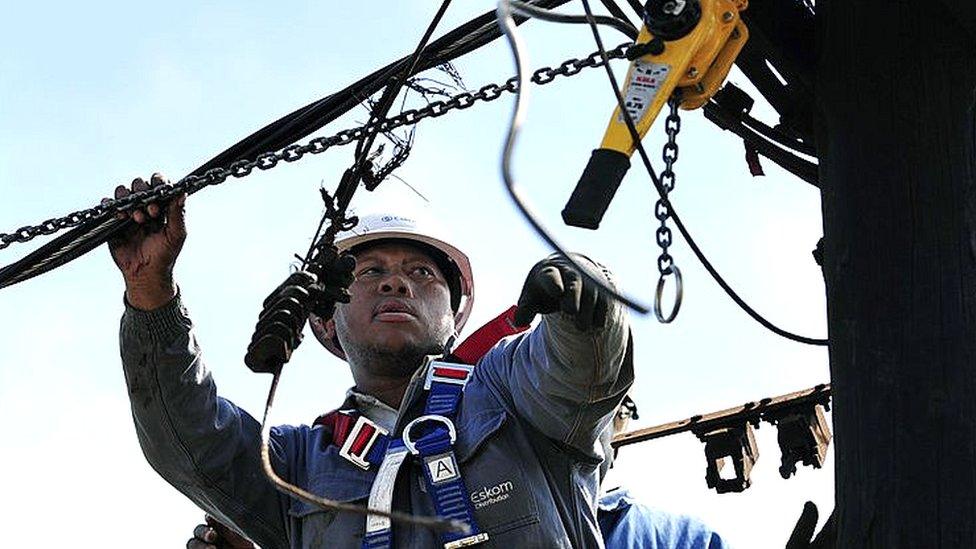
(507, 23)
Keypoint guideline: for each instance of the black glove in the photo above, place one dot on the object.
(555, 285)
(802, 536)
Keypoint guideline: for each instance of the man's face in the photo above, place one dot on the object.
(400, 304)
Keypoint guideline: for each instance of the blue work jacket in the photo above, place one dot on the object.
(528, 428)
(627, 524)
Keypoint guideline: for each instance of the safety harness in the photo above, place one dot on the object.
(429, 438)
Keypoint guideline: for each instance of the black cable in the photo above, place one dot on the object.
(677, 221)
(294, 126)
(615, 11)
(338, 215)
(638, 8)
(350, 181)
(621, 24)
(393, 89)
(777, 135)
(730, 119)
(302, 122)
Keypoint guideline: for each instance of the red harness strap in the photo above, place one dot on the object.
(484, 338)
(340, 422)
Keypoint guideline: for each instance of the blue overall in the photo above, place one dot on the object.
(527, 439)
(627, 524)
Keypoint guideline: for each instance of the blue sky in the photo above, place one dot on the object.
(92, 95)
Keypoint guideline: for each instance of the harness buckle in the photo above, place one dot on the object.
(360, 441)
(447, 372)
(468, 541)
(411, 446)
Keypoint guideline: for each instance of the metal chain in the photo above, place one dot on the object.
(266, 161)
(665, 262)
(672, 125)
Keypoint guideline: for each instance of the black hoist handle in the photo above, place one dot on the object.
(596, 188)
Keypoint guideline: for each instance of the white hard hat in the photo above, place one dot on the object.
(421, 230)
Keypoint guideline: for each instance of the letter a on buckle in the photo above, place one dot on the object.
(360, 441)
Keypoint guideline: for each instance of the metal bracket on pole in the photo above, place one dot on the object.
(802, 432)
(803, 436)
(735, 443)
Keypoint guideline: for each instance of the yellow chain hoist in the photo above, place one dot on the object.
(690, 46)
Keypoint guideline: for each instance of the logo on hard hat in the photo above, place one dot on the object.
(389, 218)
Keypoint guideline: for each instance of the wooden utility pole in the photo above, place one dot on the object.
(897, 147)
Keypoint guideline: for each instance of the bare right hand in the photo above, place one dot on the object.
(147, 251)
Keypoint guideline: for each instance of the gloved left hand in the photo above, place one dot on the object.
(802, 536)
(554, 285)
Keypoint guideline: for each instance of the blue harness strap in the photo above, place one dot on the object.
(430, 438)
(445, 484)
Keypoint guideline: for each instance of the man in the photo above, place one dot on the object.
(521, 465)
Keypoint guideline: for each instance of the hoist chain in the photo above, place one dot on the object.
(291, 153)
(665, 262)
(672, 125)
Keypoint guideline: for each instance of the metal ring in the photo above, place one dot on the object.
(451, 431)
(678, 293)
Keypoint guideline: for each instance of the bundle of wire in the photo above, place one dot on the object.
(287, 130)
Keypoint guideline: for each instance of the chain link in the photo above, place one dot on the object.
(665, 263)
(672, 125)
(292, 153)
